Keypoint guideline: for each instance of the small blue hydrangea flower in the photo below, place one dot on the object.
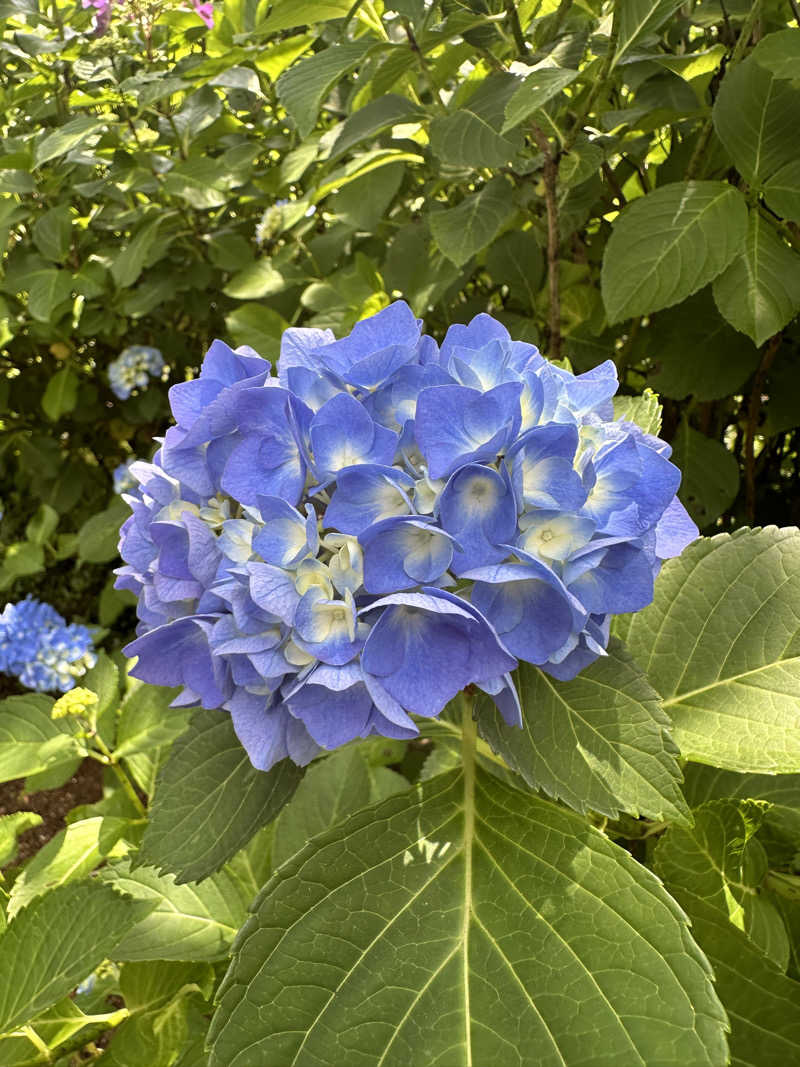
(133, 368)
(331, 550)
(124, 481)
(41, 649)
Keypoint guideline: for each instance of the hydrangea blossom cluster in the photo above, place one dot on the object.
(328, 552)
(41, 649)
(133, 368)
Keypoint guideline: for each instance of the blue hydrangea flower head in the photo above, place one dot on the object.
(329, 551)
(41, 649)
(133, 368)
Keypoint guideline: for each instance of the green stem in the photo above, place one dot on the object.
(469, 734)
(122, 777)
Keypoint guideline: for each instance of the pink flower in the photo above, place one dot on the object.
(204, 10)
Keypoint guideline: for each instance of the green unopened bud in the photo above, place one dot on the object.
(75, 702)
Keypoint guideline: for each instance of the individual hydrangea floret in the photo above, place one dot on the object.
(133, 368)
(328, 551)
(41, 649)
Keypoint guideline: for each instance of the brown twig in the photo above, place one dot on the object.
(550, 177)
(753, 411)
(736, 55)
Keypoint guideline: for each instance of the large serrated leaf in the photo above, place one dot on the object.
(721, 861)
(185, 922)
(763, 1005)
(72, 854)
(759, 293)
(331, 789)
(697, 326)
(637, 18)
(378, 115)
(455, 923)
(721, 644)
(462, 231)
(782, 191)
(302, 89)
(600, 742)
(710, 474)
(755, 117)
(535, 91)
(210, 800)
(55, 942)
(779, 53)
(668, 244)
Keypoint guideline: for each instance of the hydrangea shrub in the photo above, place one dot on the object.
(331, 549)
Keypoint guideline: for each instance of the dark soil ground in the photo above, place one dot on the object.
(84, 787)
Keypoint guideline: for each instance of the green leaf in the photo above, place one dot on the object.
(720, 860)
(516, 260)
(470, 136)
(600, 742)
(539, 87)
(72, 854)
(55, 942)
(98, 538)
(164, 1000)
(30, 741)
(697, 326)
(721, 644)
(303, 88)
(257, 326)
(779, 53)
(755, 117)
(763, 1005)
(710, 474)
(782, 191)
(128, 264)
(48, 288)
(65, 138)
(375, 117)
(254, 281)
(332, 788)
(11, 826)
(709, 783)
(17, 181)
(186, 922)
(21, 558)
(668, 244)
(147, 721)
(759, 293)
(451, 899)
(61, 394)
(462, 231)
(281, 54)
(286, 14)
(52, 233)
(364, 202)
(210, 800)
(103, 680)
(42, 525)
(639, 18)
(644, 410)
